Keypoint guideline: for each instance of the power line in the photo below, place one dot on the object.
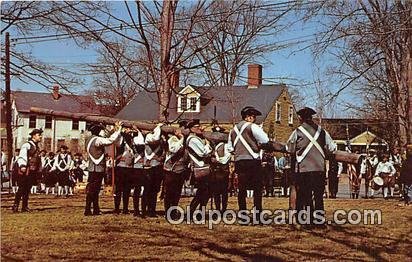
(63, 36)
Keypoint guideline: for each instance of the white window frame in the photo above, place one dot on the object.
(278, 113)
(179, 104)
(290, 115)
(188, 104)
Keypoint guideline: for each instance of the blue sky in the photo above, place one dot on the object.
(297, 66)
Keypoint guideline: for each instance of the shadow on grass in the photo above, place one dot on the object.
(374, 247)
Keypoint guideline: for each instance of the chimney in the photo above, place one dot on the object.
(174, 80)
(56, 94)
(254, 79)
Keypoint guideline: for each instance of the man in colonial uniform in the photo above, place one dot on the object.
(285, 169)
(138, 177)
(14, 169)
(78, 167)
(268, 169)
(175, 168)
(310, 144)
(199, 151)
(28, 163)
(49, 175)
(62, 166)
(245, 140)
(95, 146)
(220, 176)
(123, 169)
(386, 171)
(154, 158)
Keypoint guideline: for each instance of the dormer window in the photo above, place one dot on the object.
(193, 104)
(188, 100)
(183, 103)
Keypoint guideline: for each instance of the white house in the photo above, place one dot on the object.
(57, 131)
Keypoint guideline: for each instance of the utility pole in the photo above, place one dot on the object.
(8, 103)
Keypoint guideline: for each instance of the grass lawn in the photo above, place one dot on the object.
(57, 230)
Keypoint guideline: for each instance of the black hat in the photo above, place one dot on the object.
(218, 129)
(96, 128)
(192, 123)
(64, 147)
(250, 111)
(182, 123)
(306, 112)
(36, 131)
(51, 154)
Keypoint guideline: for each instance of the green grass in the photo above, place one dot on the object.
(57, 230)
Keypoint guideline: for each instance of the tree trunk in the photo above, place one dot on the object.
(166, 69)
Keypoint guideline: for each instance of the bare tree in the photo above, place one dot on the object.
(112, 86)
(170, 37)
(372, 39)
(25, 20)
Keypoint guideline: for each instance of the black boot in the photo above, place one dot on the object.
(87, 211)
(15, 207)
(136, 204)
(96, 208)
(117, 200)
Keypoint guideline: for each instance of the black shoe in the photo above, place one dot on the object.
(136, 213)
(97, 213)
(116, 211)
(126, 212)
(26, 210)
(88, 213)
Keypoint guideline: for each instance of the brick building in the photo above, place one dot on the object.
(222, 105)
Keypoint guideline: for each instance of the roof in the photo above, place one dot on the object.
(367, 138)
(68, 103)
(227, 100)
(344, 128)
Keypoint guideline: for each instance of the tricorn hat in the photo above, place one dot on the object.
(36, 131)
(250, 111)
(193, 122)
(306, 112)
(96, 128)
(182, 123)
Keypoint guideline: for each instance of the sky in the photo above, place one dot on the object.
(289, 65)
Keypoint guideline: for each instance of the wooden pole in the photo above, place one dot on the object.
(8, 103)
(113, 156)
(341, 156)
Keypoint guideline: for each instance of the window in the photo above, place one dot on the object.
(193, 103)
(183, 103)
(32, 122)
(188, 104)
(48, 122)
(88, 125)
(278, 112)
(290, 116)
(75, 124)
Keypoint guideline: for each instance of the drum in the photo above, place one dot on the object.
(376, 183)
(388, 180)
